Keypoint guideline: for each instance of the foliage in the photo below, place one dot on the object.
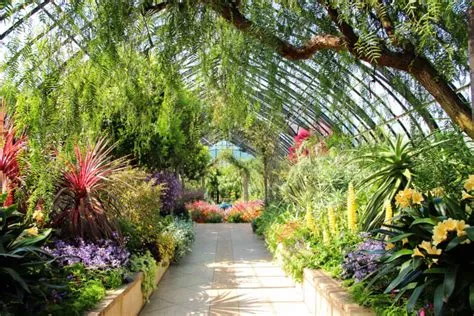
(363, 260)
(431, 251)
(139, 202)
(446, 165)
(83, 206)
(146, 264)
(171, 191)
(381, 304)
(89, 295)
(93, 255)
(22, 261)
(392, 165)
(183, 234)
(12, 147)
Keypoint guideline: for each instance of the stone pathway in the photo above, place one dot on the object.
(229, 272)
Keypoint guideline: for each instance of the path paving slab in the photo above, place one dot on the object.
(229, 272)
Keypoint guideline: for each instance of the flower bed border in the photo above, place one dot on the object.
(325, 296)
(127, 299)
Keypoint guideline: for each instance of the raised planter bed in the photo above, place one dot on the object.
(324, 296)
(128, 299)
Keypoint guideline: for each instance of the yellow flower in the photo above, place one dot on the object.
(33, 231)
(466, 195)
(438, 192)
(402, 199)
(430, 249)
(325, 236)
(404, 241)
(389, 246)
(332, 220)
(388, 212)
(38, 216)
(417, 253)
(416, 197)
(351, 209)
(469, 184)
(310, 220)
(440, 231)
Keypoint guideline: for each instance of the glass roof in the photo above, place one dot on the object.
(319, 95)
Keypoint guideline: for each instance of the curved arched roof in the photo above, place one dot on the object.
(304, 93)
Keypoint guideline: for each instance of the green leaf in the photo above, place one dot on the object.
(453, 243)
(438, 300)
(429, 221)
(398, 254)
(15, 276)
(400, 237)
(450, 280)
(470, 232)
(414, 297)
(471, 296)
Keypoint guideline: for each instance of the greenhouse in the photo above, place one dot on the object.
(235, 157)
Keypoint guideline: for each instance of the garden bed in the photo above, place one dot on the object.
(325, 296)
(128, 299)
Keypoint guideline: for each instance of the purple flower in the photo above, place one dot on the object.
(363, 260)
(94, 255)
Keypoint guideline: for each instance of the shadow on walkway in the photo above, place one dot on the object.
(229, 272)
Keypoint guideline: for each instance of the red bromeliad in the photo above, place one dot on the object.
(82, 203)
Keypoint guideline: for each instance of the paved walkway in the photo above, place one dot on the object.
(229, 272)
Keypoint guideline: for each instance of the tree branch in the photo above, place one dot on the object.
(231, 13)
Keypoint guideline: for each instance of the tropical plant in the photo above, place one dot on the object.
(83, 205)
(11, 147)
(21, 258)
(430, 251)
(392, 163)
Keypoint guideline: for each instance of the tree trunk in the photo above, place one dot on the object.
(452, 104)
(245, 186)
(471, 54)
(265, 179)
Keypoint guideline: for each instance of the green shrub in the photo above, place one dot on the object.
(89, 295)
(146, 264)
(183, 234)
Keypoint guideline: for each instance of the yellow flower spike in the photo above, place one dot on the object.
(325, 236)
(332, 221)
(309, 218)
(38, 216)
(351, 209)
(33, 231)
(417, 197)
(388, 212)
(469, 184)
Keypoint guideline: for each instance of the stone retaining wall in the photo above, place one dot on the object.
(324, 296)
(127, 300)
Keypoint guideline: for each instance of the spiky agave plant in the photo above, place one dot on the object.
(83, 206)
